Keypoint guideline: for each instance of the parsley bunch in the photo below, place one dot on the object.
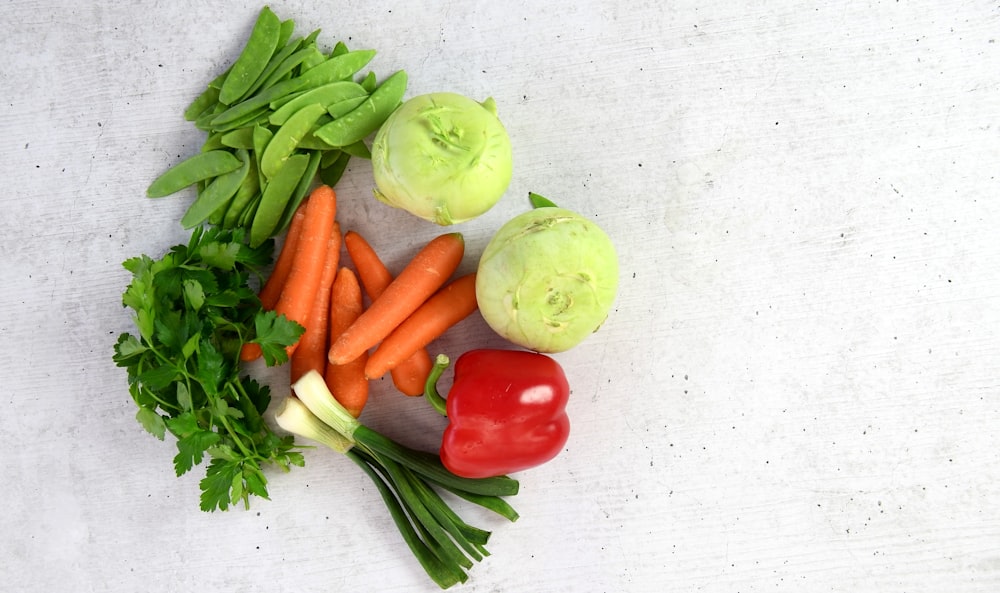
(194, 311)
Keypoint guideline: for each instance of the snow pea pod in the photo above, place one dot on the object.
(358, 149)
(249, 190)
(224, 121)
(217, 194)
(261, 136)
(331, 173)
(332, 70)
(202, 103)
(301, 191)
(368, 116)
(342, 108)
(326, 94)
(275, 198)
(287, 138)
(369, 82)
(312, 60)
(253, 59)
(336, 68)
(339, 49)
(238, 138)
(276, 61)
(200, 167)
(285, 68)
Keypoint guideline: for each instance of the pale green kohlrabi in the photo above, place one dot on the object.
(443, 157)
(547, 279)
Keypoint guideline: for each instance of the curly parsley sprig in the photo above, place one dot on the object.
(193, 311)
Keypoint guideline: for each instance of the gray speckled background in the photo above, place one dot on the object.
(796, 390)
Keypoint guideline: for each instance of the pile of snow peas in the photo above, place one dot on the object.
(282, 114)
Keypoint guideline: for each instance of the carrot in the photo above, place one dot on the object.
(314, 343)
(301, 286)
(445, 308)
(347, 382)
(372, 273)
(409, 376)
(271, 290)
(429, 269)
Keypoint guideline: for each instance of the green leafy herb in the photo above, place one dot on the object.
(194, 310)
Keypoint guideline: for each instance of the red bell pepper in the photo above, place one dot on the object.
(506, 411)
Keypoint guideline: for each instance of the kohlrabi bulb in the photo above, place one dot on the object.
(443, 157)
(547, 279)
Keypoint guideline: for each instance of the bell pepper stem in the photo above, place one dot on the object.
(431, 393)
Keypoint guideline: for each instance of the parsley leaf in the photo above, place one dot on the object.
(194, 309)
(274, 333)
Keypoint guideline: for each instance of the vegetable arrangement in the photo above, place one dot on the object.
(283, 116)
(284, 112)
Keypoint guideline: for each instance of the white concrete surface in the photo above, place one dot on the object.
(797, 389)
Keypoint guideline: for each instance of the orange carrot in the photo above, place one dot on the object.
(314, 343)
(429, 269)
(372, 273)
(409, 376)
(301, 286)
(445, 308)
(271, 290)
(347, 382)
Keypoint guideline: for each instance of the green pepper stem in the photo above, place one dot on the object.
(431, 393)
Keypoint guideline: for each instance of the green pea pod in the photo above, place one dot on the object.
(339, 49)
(326, 94)
(213, 142)
(204, 121)
(342, 108)
(332, 173)
(205, 101)
(287, 29)
(301, 191)
(358, 149)
(249, 190)
(289, 64)
(311, 142)
(367, 117)
(312, 60)
(223, 122)
(253, 59)
(287, 138)
(333, 69)
(253, 118)
(329, 156)
(217, 194)
(261, 136)
(275, 198)
(246, 217)
(238, 138)
(276, 61)
(202, 166)
(341, 67)
(369, 82)
(312, 37)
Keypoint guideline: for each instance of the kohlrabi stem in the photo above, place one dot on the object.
(538, 201)
(431, 393)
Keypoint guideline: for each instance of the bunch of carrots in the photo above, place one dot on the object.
(348, 343)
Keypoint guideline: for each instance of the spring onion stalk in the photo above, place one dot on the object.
(293, 416)
(407, 480)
